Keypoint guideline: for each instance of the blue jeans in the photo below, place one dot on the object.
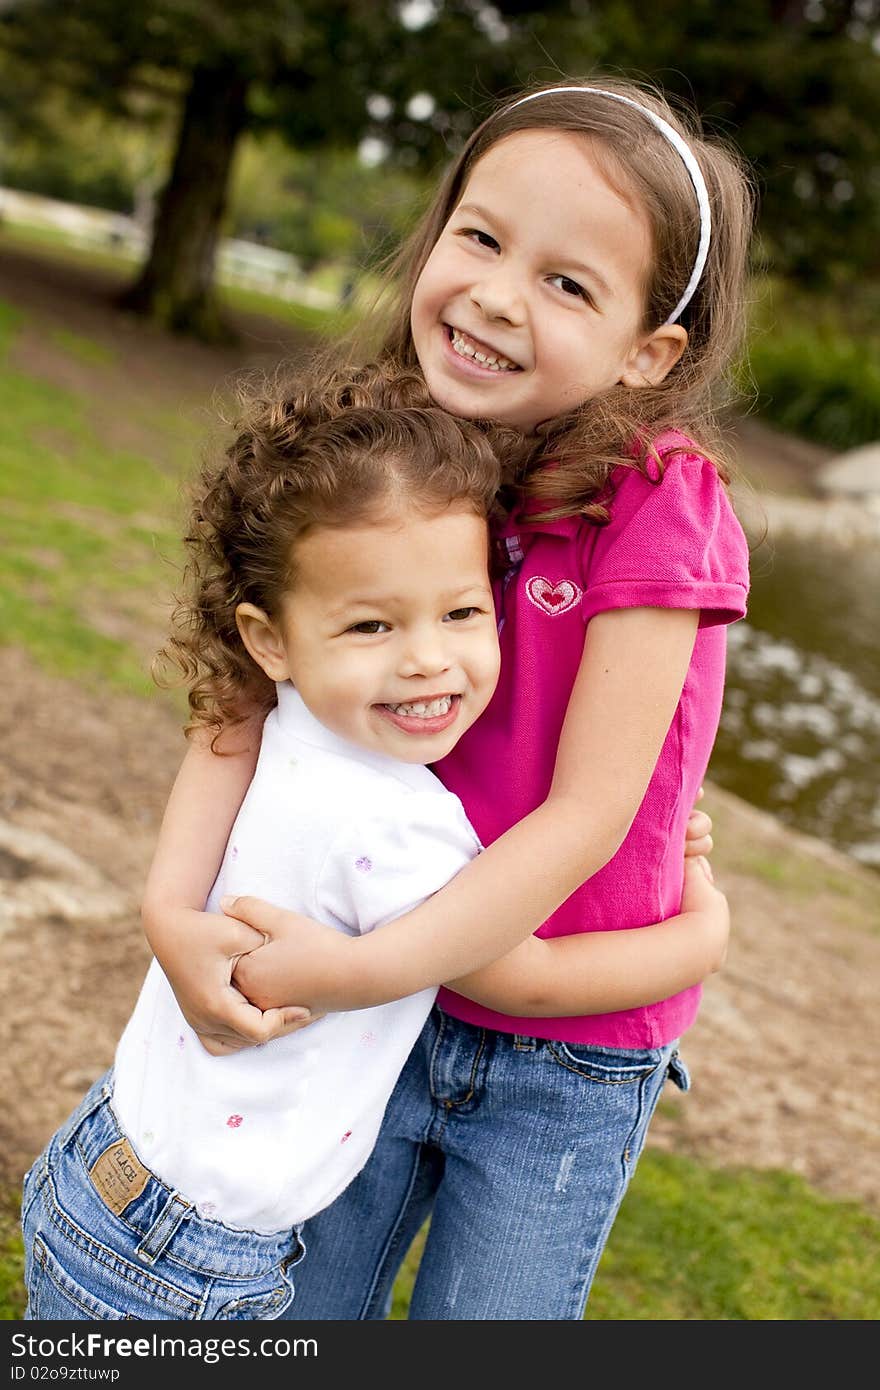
(520, 1150)
(156, 1259)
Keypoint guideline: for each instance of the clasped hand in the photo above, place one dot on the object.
(201, 953)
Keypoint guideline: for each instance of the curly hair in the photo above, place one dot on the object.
(334, 448)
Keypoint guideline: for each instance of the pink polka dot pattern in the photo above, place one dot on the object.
(234, 1121)
(346, 1136)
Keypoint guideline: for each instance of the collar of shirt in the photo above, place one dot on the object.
(520, 522)
(511, 535)
(295, 720)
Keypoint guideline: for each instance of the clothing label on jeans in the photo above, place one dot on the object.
(119, 1176)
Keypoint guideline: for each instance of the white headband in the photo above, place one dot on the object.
(690, 163)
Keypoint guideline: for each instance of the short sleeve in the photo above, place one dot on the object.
(674, 543)
(380, 867)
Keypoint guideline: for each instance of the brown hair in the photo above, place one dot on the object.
(333, 449)
(587, 443)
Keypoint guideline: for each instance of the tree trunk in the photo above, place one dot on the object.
(176, 285)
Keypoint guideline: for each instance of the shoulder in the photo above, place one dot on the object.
(382, 864)
(675, 468)
(413, 823)
(679, 488)
(673, 538)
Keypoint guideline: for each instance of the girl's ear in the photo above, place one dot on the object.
(263, 641)
(654, 357)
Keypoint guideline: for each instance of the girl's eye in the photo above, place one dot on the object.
(459, 615)
(371, 628)
(571, 287)
(481, 238)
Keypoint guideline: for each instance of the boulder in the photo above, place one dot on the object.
(854, 474)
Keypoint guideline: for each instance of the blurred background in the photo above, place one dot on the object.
(190, 190)
(267, 157)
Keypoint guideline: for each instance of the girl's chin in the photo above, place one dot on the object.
(472, 398)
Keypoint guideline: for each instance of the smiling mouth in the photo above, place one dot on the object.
(424, 709)
(423, 716)
(480, 353)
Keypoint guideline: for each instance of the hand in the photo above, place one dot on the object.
(698, 832)
(699, 895)
(198, 952)
(300, 958)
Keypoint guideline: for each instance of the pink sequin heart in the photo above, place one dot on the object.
(552, 598)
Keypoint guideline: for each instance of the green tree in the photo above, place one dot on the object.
(306, 67)
(793, 82)
(796, 85)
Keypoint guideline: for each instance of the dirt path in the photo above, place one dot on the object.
(783, 1071)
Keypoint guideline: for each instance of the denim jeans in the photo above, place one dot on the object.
(155, 1259)
(519, 1149)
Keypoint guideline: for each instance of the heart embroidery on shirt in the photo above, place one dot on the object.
(552, 598)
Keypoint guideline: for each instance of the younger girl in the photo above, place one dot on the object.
(364, 615)
(580, 276)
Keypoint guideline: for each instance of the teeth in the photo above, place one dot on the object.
(465, 348)
(420, 710)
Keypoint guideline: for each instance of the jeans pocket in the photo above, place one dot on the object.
(262, 1305)
(55, 1295)
(72, 1275)
(606, 1066)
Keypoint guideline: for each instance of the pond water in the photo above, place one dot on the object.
(800, 728)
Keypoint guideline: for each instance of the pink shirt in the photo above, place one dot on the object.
(672, 544)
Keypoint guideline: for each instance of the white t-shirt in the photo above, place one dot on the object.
(264, 1138)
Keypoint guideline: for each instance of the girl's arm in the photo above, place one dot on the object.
(602, 972)
(198, 950)
(613, 732)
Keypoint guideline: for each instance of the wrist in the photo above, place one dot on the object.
(163, 922)
(367, 976)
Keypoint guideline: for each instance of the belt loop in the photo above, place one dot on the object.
(163, 1228)
(523, 1043)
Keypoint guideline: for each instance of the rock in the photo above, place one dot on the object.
(41, 879)
(834, 520)
(855, 474)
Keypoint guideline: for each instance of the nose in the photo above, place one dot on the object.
(498, 295)
(425, 652)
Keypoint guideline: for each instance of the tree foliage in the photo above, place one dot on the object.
(793, 82)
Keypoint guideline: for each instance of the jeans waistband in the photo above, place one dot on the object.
(168, 1222)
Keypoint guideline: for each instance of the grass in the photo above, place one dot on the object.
(56, 245)
(12, 1298)
(85, 349)
(86, 531)
(694, 1242)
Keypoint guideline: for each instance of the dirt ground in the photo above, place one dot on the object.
(783, 1070)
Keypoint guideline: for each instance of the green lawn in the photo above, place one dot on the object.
(86, 530)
